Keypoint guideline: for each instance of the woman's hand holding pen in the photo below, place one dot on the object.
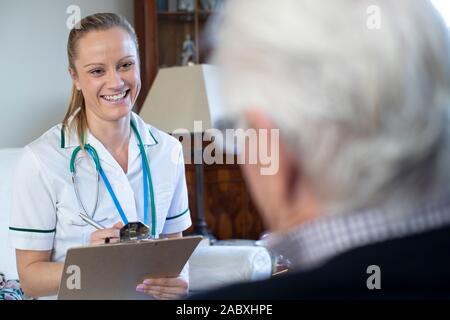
(164, 288)
(107, 235)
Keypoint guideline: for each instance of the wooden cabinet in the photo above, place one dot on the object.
(229, 210)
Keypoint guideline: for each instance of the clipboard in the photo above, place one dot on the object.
(112, 271)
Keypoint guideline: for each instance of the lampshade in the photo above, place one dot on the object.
(181, 95)
(178, 97)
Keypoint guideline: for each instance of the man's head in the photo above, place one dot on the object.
(359, 90)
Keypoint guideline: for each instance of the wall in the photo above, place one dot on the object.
(34, 82)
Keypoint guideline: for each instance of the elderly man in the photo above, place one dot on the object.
(360, 93)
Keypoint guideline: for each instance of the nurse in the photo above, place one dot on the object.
(125, 169)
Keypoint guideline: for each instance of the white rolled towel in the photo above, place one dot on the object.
(216, 266)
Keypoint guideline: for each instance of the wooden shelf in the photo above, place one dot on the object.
(203, 12)
(206, 13)
(200, 14)
(177, 13)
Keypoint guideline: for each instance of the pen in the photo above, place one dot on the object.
(90, 221)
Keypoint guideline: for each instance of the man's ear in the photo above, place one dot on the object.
(289, 170)
(285, 198)
(74, 76)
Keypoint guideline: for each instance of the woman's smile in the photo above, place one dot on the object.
(120, 98)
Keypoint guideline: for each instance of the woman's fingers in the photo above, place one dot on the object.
(161, 289)
(106, 233)
(167, 282)
(164, 288)
(118, 225)
(160, 294)
(99, 236)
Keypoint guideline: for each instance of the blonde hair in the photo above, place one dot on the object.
(76, 113)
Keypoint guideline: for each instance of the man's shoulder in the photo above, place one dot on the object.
(409, 267)
(288, 286)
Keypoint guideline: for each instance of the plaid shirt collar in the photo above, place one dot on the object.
(315, 242)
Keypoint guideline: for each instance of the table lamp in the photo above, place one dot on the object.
(179, 98)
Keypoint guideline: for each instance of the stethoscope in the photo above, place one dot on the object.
(147, 182)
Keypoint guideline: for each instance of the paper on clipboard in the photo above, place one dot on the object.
(113, 271)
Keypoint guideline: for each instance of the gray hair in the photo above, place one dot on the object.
(365, 110)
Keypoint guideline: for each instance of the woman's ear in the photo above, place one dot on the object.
(74, 76)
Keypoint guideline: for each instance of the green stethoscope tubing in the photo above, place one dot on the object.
(147, 180)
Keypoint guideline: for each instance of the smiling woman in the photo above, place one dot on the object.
(100, 136)
(103, 63)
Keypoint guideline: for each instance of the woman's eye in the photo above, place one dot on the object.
(127, 65)
(96, 72)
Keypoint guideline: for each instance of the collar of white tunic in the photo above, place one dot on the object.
(148, 139)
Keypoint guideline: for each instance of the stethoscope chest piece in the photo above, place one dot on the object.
(133, 231)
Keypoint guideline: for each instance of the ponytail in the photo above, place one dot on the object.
(75, 117)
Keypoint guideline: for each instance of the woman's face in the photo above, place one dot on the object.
(107, 73)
